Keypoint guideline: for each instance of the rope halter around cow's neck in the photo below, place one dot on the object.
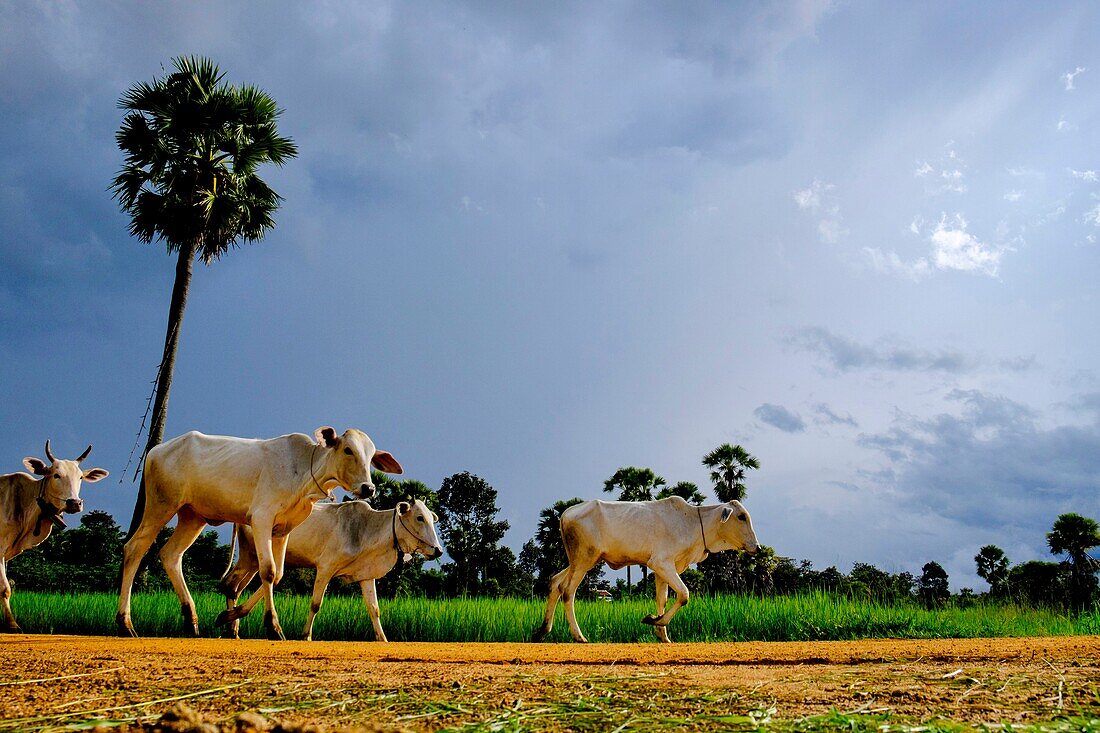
(703, 532)
(312, 456)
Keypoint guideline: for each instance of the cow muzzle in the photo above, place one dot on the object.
(367, 491)
(74, 506)
(437, 552)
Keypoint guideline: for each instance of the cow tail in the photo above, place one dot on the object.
(232, 544)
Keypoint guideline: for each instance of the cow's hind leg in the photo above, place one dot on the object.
(370, 598)
(662, 600)
(320, 583)
(189, 526)
(233, 585)
(578, 568)
(668, 574)
(153, 519)
(557, 587)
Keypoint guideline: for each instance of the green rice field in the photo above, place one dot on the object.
(720, 618)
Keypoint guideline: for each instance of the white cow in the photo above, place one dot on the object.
(269, 485)
(350, 541)
(30, 507)
(667, 535)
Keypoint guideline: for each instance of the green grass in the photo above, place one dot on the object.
(722, 618)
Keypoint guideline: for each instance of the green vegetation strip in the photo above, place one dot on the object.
(809, 617)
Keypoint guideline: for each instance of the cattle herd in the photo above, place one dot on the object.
(269, 490)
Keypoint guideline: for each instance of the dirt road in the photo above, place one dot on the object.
(52, 681)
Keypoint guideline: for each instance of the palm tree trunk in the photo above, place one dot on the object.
(180, 288)
(629, 588)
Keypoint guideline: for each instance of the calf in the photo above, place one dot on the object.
(269, 485)
(350, 541)
(30, 507)
(667, 535)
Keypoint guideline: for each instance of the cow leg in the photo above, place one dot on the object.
(370, 598)
(270, 572)
(10, 624)
(668, 574)
(152, 521)
(320, 584)
(662, 599)
(577, 570)
(233, 586)
(188, 527)
(557, 585)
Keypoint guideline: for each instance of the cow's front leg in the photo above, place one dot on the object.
(320, 583)
(370, 599)
(668, 574)
(662, 600)
(10, 624)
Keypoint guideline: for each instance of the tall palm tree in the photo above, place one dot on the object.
(1075, 535)
(192, 145)
(634, 484)
(727, 464)
(686, 490)
(992, 565)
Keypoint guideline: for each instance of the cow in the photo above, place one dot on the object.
(270, 485)
(30, 508)
(350, 541)
(666, 535)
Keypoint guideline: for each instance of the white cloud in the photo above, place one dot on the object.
(889, 263)
(954, 248)
(1014, 196)
(1069, 77)
(820, 201)
(1085, 175)
(1092, 216)
(924, 169)
(1065, 125)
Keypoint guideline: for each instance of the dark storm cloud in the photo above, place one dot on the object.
(995, 464)
(780, 417)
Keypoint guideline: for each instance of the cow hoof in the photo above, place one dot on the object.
(125, 626)
(13, 629)
(222, 619)
(539, 635)
(650, 620)
(275, 634)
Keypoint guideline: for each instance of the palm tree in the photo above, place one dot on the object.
(634, 484)
(727, 464)
(192, 145)
(1075, 535)
(992, 565)
(686, 490)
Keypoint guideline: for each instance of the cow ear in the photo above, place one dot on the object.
(435, 517)
(726, 514)
(326, 436)
(95, 474)
(385, 462)
(403, 508)
(36, 466)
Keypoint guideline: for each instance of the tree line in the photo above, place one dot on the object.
(86, 558)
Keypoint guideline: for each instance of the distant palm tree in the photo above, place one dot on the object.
(192, 146)
(992, 565)
(686, 490)
(634, 484)
(1075, 535)
(727, 464)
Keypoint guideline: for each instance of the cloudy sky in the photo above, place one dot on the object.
(539, 244)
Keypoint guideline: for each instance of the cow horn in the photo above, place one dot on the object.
(84, 454)
(48, 453)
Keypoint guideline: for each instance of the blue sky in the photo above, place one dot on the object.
(539, 244)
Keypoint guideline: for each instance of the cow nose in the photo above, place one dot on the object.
(367, 490)
(72, 506)
(437, 552)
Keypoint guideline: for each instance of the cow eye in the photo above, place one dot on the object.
(420, 519)
(743, 518)
(347, 451)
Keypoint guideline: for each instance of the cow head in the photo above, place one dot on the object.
(349, 457)
(61, 481)
(417, 533)
(735, 529)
